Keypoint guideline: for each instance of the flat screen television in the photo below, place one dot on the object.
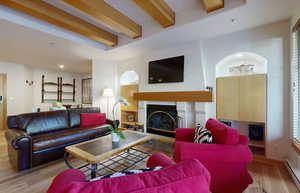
(166, 70)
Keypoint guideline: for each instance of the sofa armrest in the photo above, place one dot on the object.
(64, 179)
(244, 140)
(159, 159)
(212, 152)
(185, 134)
(19, 149)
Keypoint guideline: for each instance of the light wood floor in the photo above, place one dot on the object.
(268, 178)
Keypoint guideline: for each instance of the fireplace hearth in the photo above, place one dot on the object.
(162, 119)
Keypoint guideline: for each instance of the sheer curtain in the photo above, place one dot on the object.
(295, 85)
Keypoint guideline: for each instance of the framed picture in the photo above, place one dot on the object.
(130, 118)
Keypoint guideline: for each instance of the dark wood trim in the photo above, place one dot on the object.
(296, 26)
(296, 146)
(186, 96)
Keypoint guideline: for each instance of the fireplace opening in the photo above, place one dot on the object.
(162, 119)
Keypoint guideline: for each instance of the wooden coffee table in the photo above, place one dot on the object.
(95, 151)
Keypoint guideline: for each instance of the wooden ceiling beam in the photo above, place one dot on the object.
(159, 10)
(213, 5)
(108, 15)
(50, 14)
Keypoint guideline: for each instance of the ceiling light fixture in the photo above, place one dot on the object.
(52, 44)
(61, 66)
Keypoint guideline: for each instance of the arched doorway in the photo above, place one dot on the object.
(129, 78)
(129, 81)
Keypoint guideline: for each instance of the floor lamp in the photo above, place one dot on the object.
(108, 92)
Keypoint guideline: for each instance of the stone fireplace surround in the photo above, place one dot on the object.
(190, 112)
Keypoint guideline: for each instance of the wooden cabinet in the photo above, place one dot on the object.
(228, 98)
(242, 98)
(253, 98)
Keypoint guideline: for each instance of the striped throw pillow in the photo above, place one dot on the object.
(202, 135)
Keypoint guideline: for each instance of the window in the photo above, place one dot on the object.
(87, 91)
(295, 85)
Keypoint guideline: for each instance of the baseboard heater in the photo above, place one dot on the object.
(292, 173)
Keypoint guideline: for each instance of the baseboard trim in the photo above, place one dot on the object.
(263, 159)
(292, 174)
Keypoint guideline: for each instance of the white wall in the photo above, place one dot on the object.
(17, 93)
(23, 97)
(272, 42)
(104, 76)
(193, 72)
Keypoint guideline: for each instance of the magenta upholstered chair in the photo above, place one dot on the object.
(186, 177)
(227, 163)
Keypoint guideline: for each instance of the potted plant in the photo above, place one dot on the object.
(115, 131)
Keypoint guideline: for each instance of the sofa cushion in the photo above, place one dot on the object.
(189, 176)
(202, 135)
(222, 134)
(34, 123)
(126, 173)
(74, 115)
(91, 119)
(63, 137)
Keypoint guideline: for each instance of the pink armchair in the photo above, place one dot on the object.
(189, 177)
(227, 164)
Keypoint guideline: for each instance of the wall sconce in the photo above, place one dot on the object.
(209, 88)
(30, 83)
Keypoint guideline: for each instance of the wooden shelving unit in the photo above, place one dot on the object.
(60, 90)
(258, 144)
(131, 111)
(242, 100)
(64, 93)
(46, 93)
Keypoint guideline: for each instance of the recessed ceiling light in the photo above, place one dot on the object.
(52, 44)
(61, 66)
(240, 55)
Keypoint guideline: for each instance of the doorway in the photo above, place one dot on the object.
(3, 101)
(129, 81)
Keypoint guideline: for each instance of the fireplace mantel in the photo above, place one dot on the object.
(183, 96)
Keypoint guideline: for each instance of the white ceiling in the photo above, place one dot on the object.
(24, 45)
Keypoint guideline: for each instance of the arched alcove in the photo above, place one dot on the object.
(129, 77)
(242, 63)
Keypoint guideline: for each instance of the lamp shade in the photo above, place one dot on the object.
(108, 92)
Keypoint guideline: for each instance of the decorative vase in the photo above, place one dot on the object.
(115, 137)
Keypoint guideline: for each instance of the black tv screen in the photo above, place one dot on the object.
(166, 70)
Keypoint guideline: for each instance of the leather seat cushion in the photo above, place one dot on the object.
(35, 123)
(61, 137)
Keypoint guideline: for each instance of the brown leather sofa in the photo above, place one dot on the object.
(37, 138)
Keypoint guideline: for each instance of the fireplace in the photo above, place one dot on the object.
(162, 119)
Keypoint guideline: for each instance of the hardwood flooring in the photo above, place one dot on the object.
(268, 178)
